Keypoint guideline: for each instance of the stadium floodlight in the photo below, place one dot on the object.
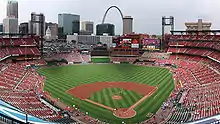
(166, 21)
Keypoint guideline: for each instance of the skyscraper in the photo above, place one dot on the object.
(10, 25)
(68, 23)
(106, 28)
(12, 8)
(37, 24)
(87, 27)
(127, 25)
(23, 28)
(1, 27)
(75, 27)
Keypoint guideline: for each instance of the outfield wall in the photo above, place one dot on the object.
(100, 59)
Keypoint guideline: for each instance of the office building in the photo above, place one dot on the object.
(127, 25)
(198, 26)
(37, 24)
(68, 24)
(75, 27)
(23, 28)
(87, 27)
(1, 27)
(12, 8)
(105, 29)
(10, 25)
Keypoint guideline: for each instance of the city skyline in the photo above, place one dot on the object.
(147, 14)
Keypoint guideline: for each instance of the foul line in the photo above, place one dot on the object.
(98, 104)
(142, 99)
(130, 108)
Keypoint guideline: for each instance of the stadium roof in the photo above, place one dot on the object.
(208, 120)
(196, 31)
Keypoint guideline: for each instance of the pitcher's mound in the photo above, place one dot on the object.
(116, 97)
(124, 113)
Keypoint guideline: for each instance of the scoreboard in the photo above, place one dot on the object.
(137, 42)
(151, 44)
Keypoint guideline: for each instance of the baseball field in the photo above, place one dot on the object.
(110, 92)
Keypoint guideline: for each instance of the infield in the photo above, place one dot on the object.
(85, 91)
(61, 79)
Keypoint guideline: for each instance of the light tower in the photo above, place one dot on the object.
(166, 21)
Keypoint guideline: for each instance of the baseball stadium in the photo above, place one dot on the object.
(133, 79)
(115, 85)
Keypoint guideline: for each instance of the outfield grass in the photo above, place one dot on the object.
(60, 79)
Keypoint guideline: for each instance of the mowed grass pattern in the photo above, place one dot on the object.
(60, 79)
(128, 98)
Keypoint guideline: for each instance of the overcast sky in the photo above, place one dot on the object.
(146, 13)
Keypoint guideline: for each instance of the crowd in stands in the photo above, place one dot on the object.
(201, 44)
(198, 76)
(57, 46)
(19, 51)
(203, 48)
(155, 55)
(124, 52)
(18, 46)
(64, 50)
(200, 84)
(74, 56)
(196, 37)
(194, 51)
(19, 41)
(20, 86)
